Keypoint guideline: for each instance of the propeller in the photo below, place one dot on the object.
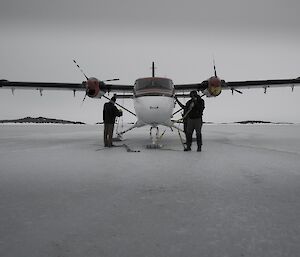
(86, 91)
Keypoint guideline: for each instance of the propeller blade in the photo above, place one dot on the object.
(215, 68)
(110, 80)
(80, 70)
(84, 98)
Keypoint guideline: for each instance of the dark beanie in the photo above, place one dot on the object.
(193, 93)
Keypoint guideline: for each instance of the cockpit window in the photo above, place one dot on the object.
(154, 83)
(154, 86)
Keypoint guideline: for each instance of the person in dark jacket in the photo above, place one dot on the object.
(194, 109)
(110, 112)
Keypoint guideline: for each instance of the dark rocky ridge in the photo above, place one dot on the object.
(41, 120)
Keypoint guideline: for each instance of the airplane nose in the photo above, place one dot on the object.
(154, 109)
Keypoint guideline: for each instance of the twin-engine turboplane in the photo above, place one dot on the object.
(153, 97)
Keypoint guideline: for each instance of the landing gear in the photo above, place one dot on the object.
(154, 134)
(136, 125)
(118, 138)
(155, 139)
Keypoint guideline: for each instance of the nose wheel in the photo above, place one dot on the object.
(154, 139)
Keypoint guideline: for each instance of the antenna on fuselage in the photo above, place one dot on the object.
(153, 70)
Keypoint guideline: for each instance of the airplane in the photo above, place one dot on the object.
(153, 97)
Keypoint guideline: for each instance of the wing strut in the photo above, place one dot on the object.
(238, 91)
(121, 106)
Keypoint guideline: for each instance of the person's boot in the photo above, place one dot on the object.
(188, 147)
(199, 144)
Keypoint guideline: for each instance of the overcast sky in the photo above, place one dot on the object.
(249, 39)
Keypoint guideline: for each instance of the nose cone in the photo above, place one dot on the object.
(214, 87)
(154, 109)
(92, 87)
(214, 82)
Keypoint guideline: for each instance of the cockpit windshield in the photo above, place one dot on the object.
(154, 86)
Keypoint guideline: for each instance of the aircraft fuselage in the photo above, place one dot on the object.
(154, 100)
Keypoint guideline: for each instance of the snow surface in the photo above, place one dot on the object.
(62, 196)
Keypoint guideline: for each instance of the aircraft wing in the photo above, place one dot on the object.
(261, 83)
(195, 86)
(119, 89)
(41, 85)
(107, 88)
(235, 85)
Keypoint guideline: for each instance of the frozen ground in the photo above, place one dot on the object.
(59, 196)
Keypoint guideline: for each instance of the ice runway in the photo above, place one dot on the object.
(59, 196)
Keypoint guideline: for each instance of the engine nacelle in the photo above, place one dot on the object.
(214, 87)
(93, 88)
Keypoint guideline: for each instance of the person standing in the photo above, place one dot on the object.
(194, 110)
(110, 112)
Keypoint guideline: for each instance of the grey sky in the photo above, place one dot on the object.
(249, 39)
(276, 14)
